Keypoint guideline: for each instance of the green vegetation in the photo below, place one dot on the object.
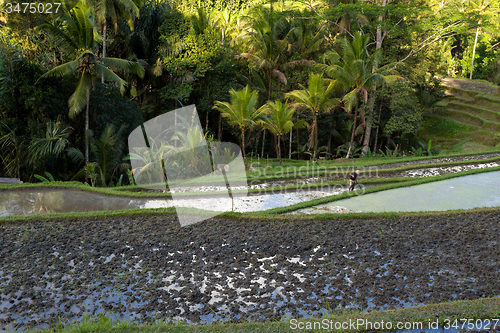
(439, 314)
(349, 84)
(366, 85)
(467, 119)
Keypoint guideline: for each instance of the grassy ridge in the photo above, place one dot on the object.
(310, 171)
(419, 317)
(268, 214)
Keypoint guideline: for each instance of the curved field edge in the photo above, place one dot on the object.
(248, 217)
(367, 162)
(125, 191)
(419, 317)
(347, 195)
(274, 213)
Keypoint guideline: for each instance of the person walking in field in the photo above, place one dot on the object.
(353, 180)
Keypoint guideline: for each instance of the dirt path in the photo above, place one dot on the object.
(478, 86)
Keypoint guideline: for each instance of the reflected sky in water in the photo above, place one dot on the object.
(474, 191)
(43, 201)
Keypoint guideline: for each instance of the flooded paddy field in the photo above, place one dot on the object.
(148, 267)
(65, 200)
(472, 191)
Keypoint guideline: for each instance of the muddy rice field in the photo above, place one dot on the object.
(147, 267)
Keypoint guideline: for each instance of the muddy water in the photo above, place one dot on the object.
(43, 201)
(145, 267)
(481, 190)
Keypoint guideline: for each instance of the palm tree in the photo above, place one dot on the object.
(87, 66)
(227, 22)
(74, 30)
(113, 10)
(12, 151)
(201, 21)
(354, 74)
(280, 121)
(107, 152)
(242, 111)
(261, 37)
(307, 39)
(315, 98)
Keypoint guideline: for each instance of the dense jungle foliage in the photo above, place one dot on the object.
(288, 79)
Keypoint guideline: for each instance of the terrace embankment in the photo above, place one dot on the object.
(148, 267)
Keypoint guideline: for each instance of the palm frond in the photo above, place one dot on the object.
(78, 99)
(63, 70)
(124, 65)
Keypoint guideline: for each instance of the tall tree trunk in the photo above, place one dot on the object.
(378, 123)
(315, 120)
(87, 131)
(279, 148)
(243, 147)
(329, 142)
(379, 39)
(263, 142)
(206, 123)
(290, 150)
(104, 44)
(353, 131)
(298, 145)
(369, 123)
(474, 50)
(219, 135)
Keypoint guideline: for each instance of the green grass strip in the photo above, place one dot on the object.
(80, 186)
(315, 171)
(128, 191)
(87, 215)
(401, 182)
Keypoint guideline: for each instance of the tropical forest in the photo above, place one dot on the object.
(249, 166)
(323, 79)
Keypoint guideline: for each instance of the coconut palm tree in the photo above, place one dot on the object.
(87, 66)
(354, 73)
(315, 98)
(306, 39)
(74, 30)
(242, 112)
(280, 121)
(112, 11)
(228, 23)
(201, 21)
(266, 41)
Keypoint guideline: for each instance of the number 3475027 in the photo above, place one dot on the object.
(32, 7)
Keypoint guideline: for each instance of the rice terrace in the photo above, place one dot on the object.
(250, 166)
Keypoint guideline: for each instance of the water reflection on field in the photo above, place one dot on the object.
(481, 190)
(42, 201)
